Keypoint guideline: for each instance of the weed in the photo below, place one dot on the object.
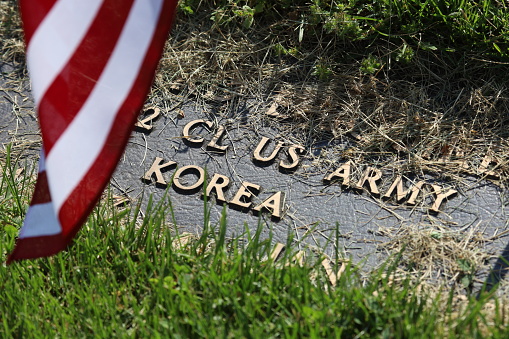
(323, 70)
(405, 54)
(370, 65)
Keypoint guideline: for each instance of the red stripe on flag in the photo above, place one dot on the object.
(41, 191)
(87, 193)
(89, 184)
(35, 247)
(32, 14)
(67, 94)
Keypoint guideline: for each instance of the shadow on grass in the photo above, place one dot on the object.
(499, 271)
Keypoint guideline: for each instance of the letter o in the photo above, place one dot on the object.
(185, 170)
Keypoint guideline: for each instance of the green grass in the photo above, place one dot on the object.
(125, 277)
(471, 27)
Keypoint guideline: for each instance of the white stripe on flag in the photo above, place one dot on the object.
(77, 148)
(40, 220)
(53, 42)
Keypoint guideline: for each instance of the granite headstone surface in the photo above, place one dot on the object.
(260, 174)
(18, 121)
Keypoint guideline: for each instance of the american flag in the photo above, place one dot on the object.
(91, 64)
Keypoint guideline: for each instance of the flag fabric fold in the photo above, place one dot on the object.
(91, 64)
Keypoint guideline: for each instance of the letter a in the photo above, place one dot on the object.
(273, 203)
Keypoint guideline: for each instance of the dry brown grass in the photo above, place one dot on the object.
(450, 256)
(428, 117)
(12, 47)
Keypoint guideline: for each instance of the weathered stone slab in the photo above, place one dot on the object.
(359, 202)
(18, 121)
(322, 213)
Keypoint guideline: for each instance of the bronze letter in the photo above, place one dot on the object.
(219, 187)
(245, 193)
(274, 203)
(400, 194)
(440, 197)
(333, 276)
(142, 124)
(483, 168)
(156, 169)
(293, 156)
(186, 132)
(371, 175)
(459, 153)
(261, 146)
(213, 143)
(342, 172)
(189, 168)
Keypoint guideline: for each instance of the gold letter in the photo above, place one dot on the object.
(342, 172)
(293, 156)
(143, 123)
(257, 152)
(458, 152)
(218, 187)
(371, 175)
(483, 168)
(333, 276)
(155, 169)
(275, 203)
(440, 197)
(189, 168)
(213, 143)
(298, 257)
(245, 194)
(186, 132)
(400, 194)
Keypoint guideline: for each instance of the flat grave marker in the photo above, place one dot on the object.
(259, 174)
(256, 171)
